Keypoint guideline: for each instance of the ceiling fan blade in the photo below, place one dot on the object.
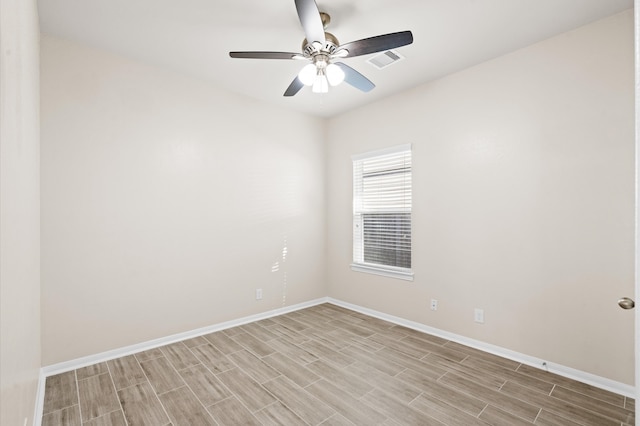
(375, 44)
(294, 87)
(311, 21)
(264, 55)
(355, 79)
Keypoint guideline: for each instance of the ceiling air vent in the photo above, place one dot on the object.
(385, 59)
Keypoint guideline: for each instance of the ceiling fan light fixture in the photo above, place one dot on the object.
(335, 75)
(307, 74)
(320, 85)
(321, 48)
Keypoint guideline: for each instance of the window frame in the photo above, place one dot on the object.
(375, 268)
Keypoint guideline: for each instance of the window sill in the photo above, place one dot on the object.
(385, 272)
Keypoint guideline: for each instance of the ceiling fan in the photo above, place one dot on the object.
(322, 49)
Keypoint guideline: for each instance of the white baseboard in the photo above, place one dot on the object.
(74, 364)
(571, 373)
(63, 367)
(591, 379)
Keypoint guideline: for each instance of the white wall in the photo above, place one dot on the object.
(166, 202)
(524, 200)
(19, 211)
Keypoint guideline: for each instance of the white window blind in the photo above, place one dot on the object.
(382, 212)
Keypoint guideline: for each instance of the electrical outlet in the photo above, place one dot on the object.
(258, 294)
(478, 315)
(434, 305)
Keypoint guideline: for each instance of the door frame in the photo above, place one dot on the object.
(637, 198)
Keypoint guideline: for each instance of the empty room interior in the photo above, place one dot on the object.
(170, 221)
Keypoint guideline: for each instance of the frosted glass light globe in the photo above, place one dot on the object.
(335, 75)
(321, 85)
(307, 74)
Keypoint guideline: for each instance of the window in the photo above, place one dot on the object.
(382, 212)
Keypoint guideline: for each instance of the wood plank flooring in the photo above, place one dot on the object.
(323, 365)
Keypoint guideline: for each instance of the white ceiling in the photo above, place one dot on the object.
(195, 36)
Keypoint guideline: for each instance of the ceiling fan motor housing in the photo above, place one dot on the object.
(329, 47)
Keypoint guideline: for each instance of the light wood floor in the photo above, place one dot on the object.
(324, 365)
